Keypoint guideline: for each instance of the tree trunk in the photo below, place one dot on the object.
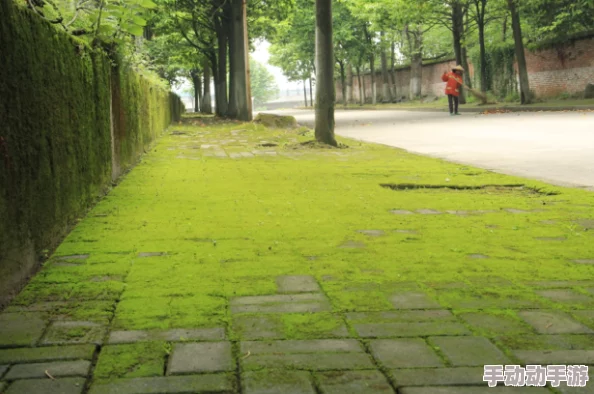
(349, 88)
(373, 83)
(361, 89)
(480, 21)
(465, 51)
(195, 74)
(343, 83)
(305, 91)
(239, 100)
(416, 63)
(458, 32)
(206, 107)
(386, 91)
(525, 95)
(221, 101)
(311, 100)
(393, 72)
(325, 95)
(232, 111)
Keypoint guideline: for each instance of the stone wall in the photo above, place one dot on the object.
(70, 124)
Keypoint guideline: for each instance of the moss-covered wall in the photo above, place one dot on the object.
(57, 102)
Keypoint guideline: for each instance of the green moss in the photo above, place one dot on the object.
(313, 325)
(131, 361)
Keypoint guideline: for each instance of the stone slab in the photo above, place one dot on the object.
(47, 386)
(477, 256)
(200, 358)
(3, 369)
(258, 327)
(352, 245)
(574, 357)
(20, 329)
(3, 387)
(402, 316)
(495, 324)
(566, 296)
(469, 351)
(175, 335)
(206, 383)
(372, 233)
(50, 353)
(428, 212)
(387, 330)
(280, 298)
(71, 332)
(302, 346)
(438, 376)
(518, 211)
(73, 257)
(151, 254)
(354, 382)
(553, 323)
(297, 284)
(304, 307)
(413, 301)
(56, 369)
(404, 353)
(401, 212)
(584, 261)
(309, 361)
(472, 390)
(275, 382)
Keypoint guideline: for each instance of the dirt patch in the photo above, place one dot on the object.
(489, 188)
(314, 145)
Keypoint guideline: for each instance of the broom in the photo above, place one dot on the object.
(479, 95)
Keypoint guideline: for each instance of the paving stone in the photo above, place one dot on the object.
(20, 329)
(469, 351)
(74, 257)
(246, 154)
(566, 297)
(428, 212)
(388, 330)
(297, 284)
(553, 323)
(3, 368)
(413, 301)
(56, 369)
(3, 386)
(282, 303)
(404, 353)
(401, 231)
(551, 239)
(201, 357)
(70, 332)
(472, 390)
(478, 256)
(302, 346)
(206, 383)
(354, 382)
(401, 212)
(151, 254)
(438, 376)
(372, 233)
(202, 334)
(235, 155)
(584, 261)
(309, 361)
(275, 382)
(434, 315)
(258, 327)
(513, 210)
(47, 386)
(352, 245)
(496, 324)
(561, 283)
(459, 213)
(586, 223)
(574, 357)
(49, 353)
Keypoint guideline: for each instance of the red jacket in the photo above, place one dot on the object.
(454, 81)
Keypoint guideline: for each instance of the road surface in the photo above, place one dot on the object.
(555, 147)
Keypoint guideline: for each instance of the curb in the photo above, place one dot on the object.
(477, 109)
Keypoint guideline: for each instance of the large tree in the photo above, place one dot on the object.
(525, 95)
(325, 94)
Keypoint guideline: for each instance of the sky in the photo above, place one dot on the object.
(261, 55)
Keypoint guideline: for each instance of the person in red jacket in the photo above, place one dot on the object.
(454, 82)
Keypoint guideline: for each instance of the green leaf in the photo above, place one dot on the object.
(147, 4)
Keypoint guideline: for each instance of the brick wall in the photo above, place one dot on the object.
(551, 72)
(561, 70)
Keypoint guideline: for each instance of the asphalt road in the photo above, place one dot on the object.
(555, 147)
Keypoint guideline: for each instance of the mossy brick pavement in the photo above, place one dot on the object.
(234, 259)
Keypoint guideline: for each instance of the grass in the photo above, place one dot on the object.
(228, 227)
